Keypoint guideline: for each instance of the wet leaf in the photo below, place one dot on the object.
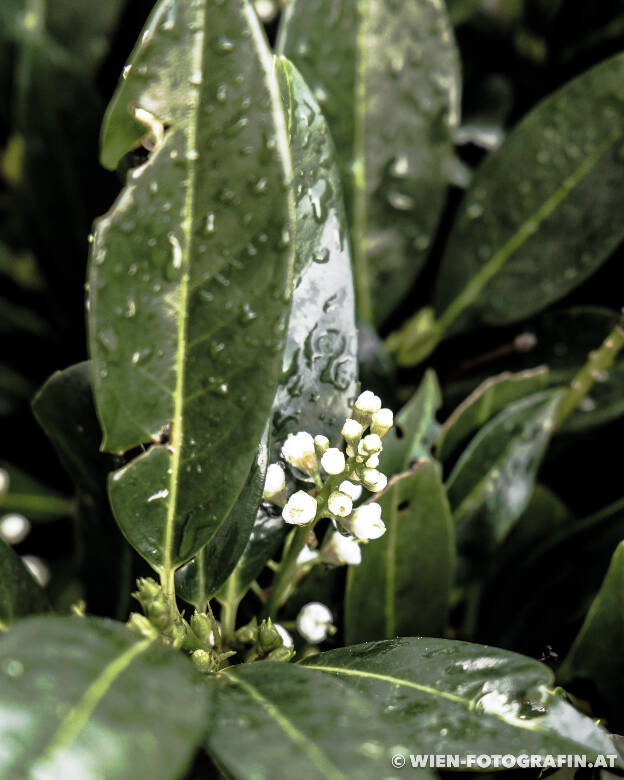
(595, 654)
(387, 78)
(458, 698)
(191, 273)
(284, 720)
(20, 595)
(487, 400)
(517, 247)
(80, 697)
(491, 484)
(200, 578)
(319, 378)
(415, 430)
(402, 587)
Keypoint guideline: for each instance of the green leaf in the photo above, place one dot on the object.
(19, 593)
(491, 484)
(402, 587)
(319, 378)
(191, 273)
(454, 697)
(64, 409)
(387, 78)
(488, 399)
(415, 429)
(515, 249)
(29, 496)
(80, 697)
(199, 579)
(280, 720)
(596, 652)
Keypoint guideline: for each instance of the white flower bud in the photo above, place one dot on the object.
(306, 556)
(333, 461)
(339, 504)
(275, 484)
(14, 528)
(373, 461)
(365, 407)
(299, 451)
(353, 491)
(341, 550)
(314, 621)
(381, 422)
(370, 445)
(352, 431)
(287, 640)
(374, 480)
(300, 509)
(365, 523)
(321, 444)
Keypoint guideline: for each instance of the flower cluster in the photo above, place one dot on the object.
(339, 478)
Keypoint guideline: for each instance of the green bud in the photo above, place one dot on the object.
(141, 626)
(248, 634)
(148, 591)
(201, 626)
(281, 654)
(206, 661)
(268, 637)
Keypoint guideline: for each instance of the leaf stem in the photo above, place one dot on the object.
(597, 363)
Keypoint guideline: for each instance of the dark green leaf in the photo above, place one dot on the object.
(191, 273)
(29, 496)
(80, 697)
(200, 578)
(517, 248)
(19, 593)
(596, 653)
(492, 482)
(487, 400)
(387, 78)
(415, 430)
(280, 720)
(455, 697)
(320, 358)
(402, 587)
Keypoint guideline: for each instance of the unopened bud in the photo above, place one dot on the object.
(333, 461)
(202, 627)
(381, 422)
(341, 550)
(352, 431)
(365, 407)
(283, 654)
(370, 445)
(141, 626)
(300, 509)
(374, 480)
(299, 452)
(353, 491)
(365, 523)
(321, 444)
(206, 661)
(314, 622)
(275, 485)
(339, 504)
(268, 637)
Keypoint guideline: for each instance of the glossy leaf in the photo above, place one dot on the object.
(20, 595)
(488, 399)
(458, 698)
(64, 409)
(515, 249)
(320, 358)
(281, 720)
(200, 578)
(491, 484)
(198, 250)
(402, 587)
(80, 697)
(595, 654)
(387, 78)
(415, 429)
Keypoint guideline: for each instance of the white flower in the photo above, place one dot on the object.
(300, 509)
(299, 451)
(339, 504)
(370, 445)
(381, 422)
(352, 430)
(14, 528)
(314, 621)
(333, 461)
(374, 480)
(275, 482)
(287, 640)
(365, 407)
(353, 491)
(365, 523)
(306, 556)
(321, 444)
(373, 461)
(342, 550)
